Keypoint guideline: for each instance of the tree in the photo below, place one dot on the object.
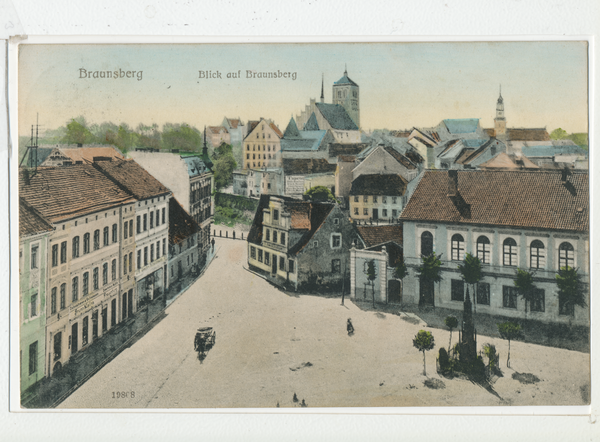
(77, 133)
(470, 271)
(451, 322)
(223, 169)
(320, 194)
(559, 134)
(509, 331)
(570, 290)
(221, 151)
(423, 341)
(524, 285)
(371, 275)
(182, 137)
(430, 267)
(401, 272)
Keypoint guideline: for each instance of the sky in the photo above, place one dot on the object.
(402, 85)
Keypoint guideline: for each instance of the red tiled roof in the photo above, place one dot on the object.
(134, 178)
(505, 161)
(61, 193)
(300, 215)
(276, 129)
(31, 221)
(524, 199)
(234, 123)
(87, 154)
(216, 129)
(374, 235)
(181, 223)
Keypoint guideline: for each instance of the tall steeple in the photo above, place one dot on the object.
(500, 120)
(322, 88)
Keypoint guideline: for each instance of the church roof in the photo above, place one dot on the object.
(291, 131)
(462, 126)
(308, 140)
(336, 116)
(312, 124)
(345, 80)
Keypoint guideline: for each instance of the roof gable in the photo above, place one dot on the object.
(312, 123)
(336, 116)
(291, 131)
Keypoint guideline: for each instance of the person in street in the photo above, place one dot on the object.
(349, 327)
(213, 244)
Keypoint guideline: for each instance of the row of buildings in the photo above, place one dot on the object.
(100, 239)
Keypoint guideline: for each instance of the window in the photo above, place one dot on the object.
(509, 252)
(84, 331)
(384, 212)
(282, 238)
(457, 247)
(96, 239)
(130, 262)
(336, 241)
(151, 220)
(63, 296)
(275, 215)
(53, 301)
(34, 257)
(384, 199)
(146, 256)
(394, 200)
(356, 199)
(114, 233)
(33, 351)
(105, 236)
(157, 217)
(75, 251)
(260, 255)
(113, 269)
(537, 257)
(95, 279)
(374, 199)
(267, 258)
(151, 252)
(139, 224)
(538, 301)
(365, 211)
(145, 222)
(282, 263)
(356, 210)
(54, 255)
(113, 312)
(85, 284)
(291, 265)
(75, 289)
(268, 234)
(252, 252)
(336, 266)
(483, 293)
(125, 230)
(34, 311)
(315, 244)
(484, 250)
(509, 296)
(365, 199)
(164, 246)
(63, 252)
(105, 273)
(566, 255)
(457, 290)
(163, 217)
(274, 235)
(158, 247)
(139, 259)
(394, 213)
(86, 243)
(125, 264)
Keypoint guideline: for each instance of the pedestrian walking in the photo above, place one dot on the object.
(350, 327)
(213, 244)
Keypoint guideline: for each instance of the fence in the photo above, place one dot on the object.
(233, 235)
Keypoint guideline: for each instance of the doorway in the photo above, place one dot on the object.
(375, 214)
(426, 291)
(394, 294)
(74, 338)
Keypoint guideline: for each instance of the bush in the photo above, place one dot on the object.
(444, 361)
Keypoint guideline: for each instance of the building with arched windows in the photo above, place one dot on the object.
(534, 220)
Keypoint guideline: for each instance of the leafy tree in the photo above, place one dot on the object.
(430, 268)
(581, 139)
(182, 137)
(524, 285)
(223, 170)
(509, 331)
(559, 134)
(401, 272)
(423, 341)
(222, 150)
(470, 271)
(320, 194)
(371, 275)
(78, 133)
(451, 322)
(570, 290)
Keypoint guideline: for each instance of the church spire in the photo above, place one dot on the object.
(322, 88)
(346, 69)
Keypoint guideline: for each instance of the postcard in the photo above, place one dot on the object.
(303, 225)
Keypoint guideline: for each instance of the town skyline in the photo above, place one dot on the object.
(402, 85)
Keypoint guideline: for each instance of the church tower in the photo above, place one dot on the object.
(346, 94)
(500, 120)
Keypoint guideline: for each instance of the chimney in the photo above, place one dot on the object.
(452, 182)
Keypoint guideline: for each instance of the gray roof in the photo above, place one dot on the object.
(345, 80)
(312, 124)
(195, 166)
(291, 131)
(309, 140)
(336, 116)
